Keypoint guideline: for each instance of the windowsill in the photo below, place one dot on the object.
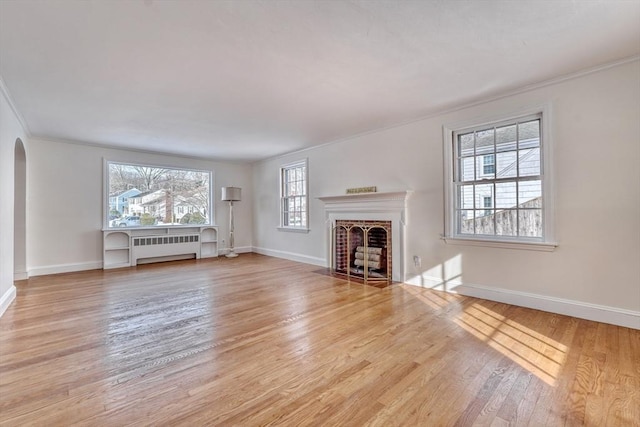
(529, 246)
(294, 230)
(157, 227)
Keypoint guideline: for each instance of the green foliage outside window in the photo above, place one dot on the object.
(147, 219)
(193, 218)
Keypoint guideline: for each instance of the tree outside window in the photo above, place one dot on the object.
(150, 195)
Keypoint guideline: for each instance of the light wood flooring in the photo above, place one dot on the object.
(264, 341)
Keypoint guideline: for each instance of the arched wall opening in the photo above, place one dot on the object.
(20, 212)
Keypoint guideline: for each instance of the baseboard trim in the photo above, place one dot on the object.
(582, 310)
(20, 275)
(238, 250)
(7, 299)
(579, 309)
(291, 256)
(65, 268)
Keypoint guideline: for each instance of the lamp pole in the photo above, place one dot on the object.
(231, 253)
(231, 194)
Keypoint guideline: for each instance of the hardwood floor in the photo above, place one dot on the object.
(260, 341)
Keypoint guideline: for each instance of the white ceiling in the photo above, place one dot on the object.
(245, 80)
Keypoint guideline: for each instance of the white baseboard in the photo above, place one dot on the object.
(20, 275)
(582, 310)
(238, 250)
(291, 256)
(7, 299)
(96, 265)
(65, 268)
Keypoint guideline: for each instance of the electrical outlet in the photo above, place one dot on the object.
(417, 261)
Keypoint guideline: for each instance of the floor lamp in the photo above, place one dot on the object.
(231, 194)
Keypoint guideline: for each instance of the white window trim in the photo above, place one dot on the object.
(283, 227)
(293, 229)
(548, 243)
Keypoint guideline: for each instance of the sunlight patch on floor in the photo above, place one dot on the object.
(540, 355)
(435, 300)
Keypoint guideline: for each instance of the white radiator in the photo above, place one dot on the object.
(149, 247)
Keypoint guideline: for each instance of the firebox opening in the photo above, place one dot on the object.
(362, 249)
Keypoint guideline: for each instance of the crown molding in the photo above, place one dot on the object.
(463, 106)
(5, 92)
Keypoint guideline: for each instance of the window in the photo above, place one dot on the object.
(489, 164)
(488, 204)
(142, 195)
(294, 213)
(497, 189)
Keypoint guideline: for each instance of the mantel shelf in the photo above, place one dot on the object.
(367, 197)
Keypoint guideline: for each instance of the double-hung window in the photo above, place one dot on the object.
(294, 213)
(497, 188)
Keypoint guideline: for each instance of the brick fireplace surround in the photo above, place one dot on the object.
(388, 207)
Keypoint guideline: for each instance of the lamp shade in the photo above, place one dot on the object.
(231, 194)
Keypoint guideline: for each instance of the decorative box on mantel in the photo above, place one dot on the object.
(367, 208)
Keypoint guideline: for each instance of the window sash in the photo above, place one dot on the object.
(293, 195)
(476, 178)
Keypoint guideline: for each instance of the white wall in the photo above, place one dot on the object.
(65, 187)
(594, 272)
(10, 130)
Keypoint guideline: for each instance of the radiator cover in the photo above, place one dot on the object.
(163, 246)
(132, 246)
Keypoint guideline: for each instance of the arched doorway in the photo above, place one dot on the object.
(20, 212)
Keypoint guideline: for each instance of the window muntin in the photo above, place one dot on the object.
(147, 196)
(293, 196)
(498, 181)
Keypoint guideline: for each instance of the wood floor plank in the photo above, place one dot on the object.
(257, 340)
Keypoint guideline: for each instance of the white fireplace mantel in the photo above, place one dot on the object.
(389, 206)
(369, 202)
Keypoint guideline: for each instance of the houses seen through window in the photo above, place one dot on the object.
(142, 195)
(498, 180)
(488, 204)
(489, 164)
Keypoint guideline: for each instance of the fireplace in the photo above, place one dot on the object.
(365, 236)
(362, 249)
